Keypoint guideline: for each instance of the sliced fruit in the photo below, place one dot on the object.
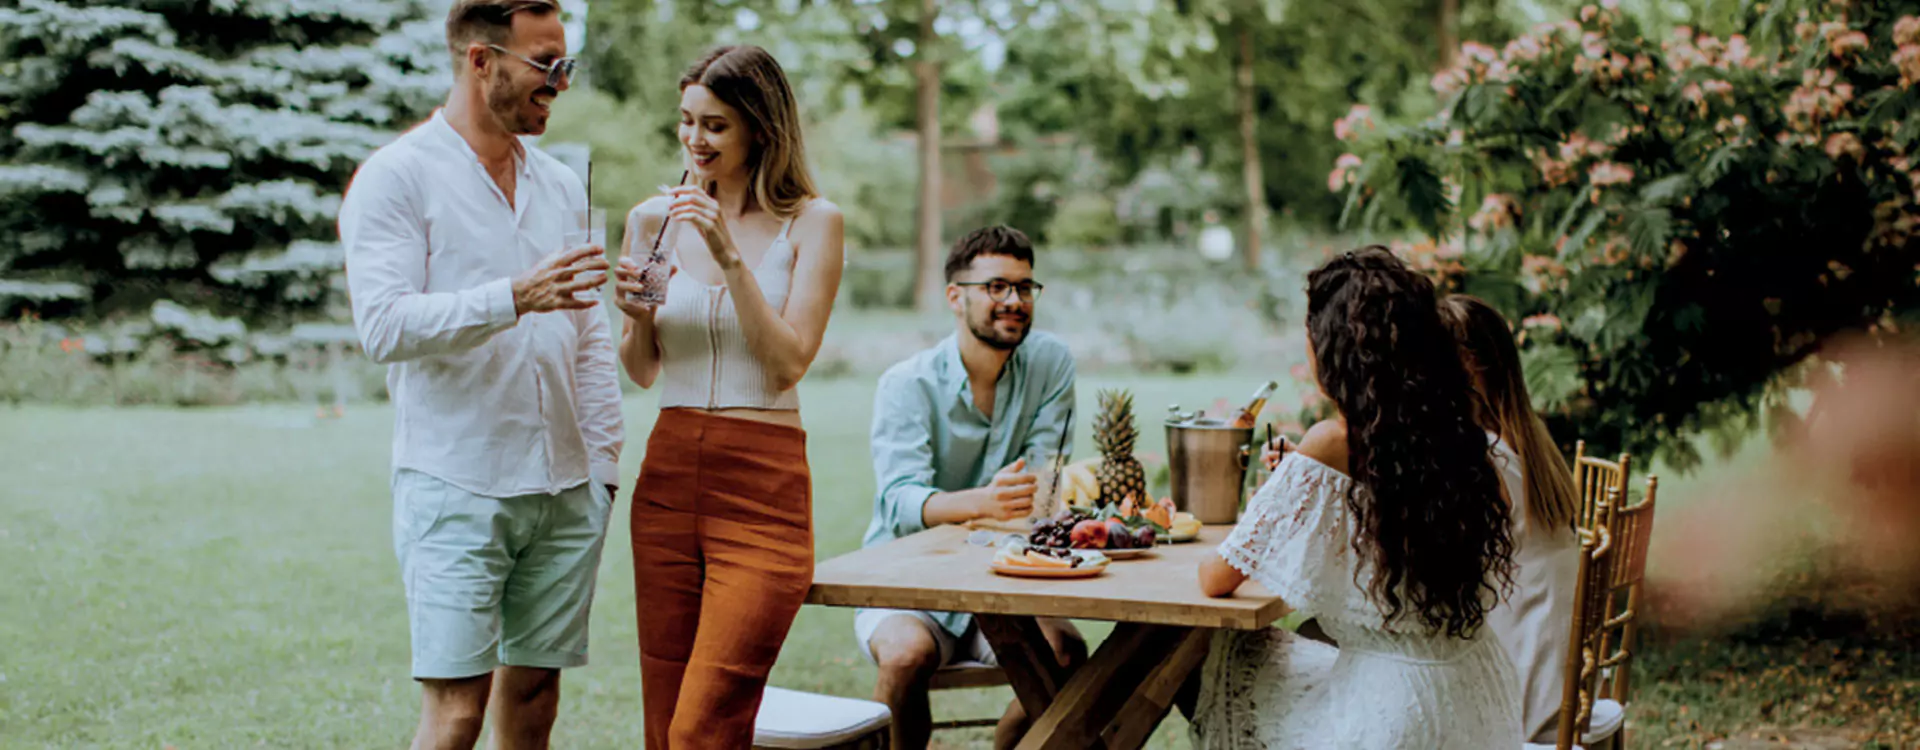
(1038, 560)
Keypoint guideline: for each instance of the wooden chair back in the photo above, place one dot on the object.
(1631, 529)
(1591, 586)
(1595, 477)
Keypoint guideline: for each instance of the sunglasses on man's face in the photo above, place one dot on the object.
(558, 72)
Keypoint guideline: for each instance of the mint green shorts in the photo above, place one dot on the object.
(496, 581)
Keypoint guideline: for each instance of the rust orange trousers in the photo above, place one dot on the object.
(722, 557)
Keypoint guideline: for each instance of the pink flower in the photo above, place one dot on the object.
(1738, 53)
(1610, 173)
(1593, 46)
(1523, 49)
(1849, 43)
(1548, 321)
(1537, 270)
(1343, 172)
(1496, 212)
(1360, 115)
(1478, 53)
(1906, 30)
(1846, 144)
(1907, 59)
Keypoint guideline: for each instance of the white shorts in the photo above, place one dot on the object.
(970, 647)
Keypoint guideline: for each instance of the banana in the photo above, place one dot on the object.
(1083, 488)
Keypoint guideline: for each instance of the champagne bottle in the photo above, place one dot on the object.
(1251, 412)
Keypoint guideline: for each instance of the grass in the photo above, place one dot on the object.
(225, 577)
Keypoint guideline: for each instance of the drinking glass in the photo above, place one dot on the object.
(1043, 464)
(651, 260)
(589, 227)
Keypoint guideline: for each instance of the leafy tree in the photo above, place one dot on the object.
(1172, 83)
(194, 151)
(1676, 223)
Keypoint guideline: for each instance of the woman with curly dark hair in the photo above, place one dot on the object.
(1386, 527)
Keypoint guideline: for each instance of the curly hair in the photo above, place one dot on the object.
(1431, 522)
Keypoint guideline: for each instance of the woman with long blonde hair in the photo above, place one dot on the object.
(722, 513)
(1532, 621)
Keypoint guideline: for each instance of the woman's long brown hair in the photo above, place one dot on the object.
(1431, 521)
(750, 81)
(1486, 344)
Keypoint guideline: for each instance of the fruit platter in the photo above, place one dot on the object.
(1122, 531)
(1017, 558)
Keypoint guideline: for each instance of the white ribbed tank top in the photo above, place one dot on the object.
(704, 359)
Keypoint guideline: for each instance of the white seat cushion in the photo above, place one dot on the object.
(793, 720)
(1608, 717)
(1546, 746)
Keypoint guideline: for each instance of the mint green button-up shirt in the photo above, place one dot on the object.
(928, 437)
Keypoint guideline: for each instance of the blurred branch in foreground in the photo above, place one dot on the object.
(1836, 507)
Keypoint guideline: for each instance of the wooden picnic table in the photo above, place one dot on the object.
(1126, 688)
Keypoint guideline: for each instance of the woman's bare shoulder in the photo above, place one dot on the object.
(1326, 442)
(819, 218)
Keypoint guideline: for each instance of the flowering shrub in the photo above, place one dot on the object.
(1673, 223)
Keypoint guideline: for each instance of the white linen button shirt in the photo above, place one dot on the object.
(488, 402)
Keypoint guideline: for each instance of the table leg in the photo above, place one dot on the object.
(1130, 680)
(1155, 698)
(1026, 657)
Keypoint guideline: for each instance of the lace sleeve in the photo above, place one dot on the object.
(1295, 540)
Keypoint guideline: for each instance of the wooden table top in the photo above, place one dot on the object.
(937, 570)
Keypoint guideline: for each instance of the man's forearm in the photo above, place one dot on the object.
(951, 507)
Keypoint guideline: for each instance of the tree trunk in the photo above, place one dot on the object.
(928, 260)
(1449, 32)
(1254, 182)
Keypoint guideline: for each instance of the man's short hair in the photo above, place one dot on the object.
(488, 21)
(994, 240)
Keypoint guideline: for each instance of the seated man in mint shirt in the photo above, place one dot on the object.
(952, 426)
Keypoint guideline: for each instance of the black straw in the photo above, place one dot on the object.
(1060, 453)
(669, 220)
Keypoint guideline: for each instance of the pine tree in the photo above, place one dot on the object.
(195, 150)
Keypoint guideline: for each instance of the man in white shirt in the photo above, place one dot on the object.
(507, 428)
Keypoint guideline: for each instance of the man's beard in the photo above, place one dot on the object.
(512, 108)
(988, 334)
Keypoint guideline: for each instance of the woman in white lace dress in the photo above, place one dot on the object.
(1533, 620)
(1386, 527)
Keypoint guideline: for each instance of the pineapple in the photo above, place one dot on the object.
(1120, 475)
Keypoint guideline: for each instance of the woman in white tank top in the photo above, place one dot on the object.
(722, 513)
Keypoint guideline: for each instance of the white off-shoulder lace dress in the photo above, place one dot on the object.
(1385, 687)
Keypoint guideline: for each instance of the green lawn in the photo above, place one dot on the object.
(225, 577)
